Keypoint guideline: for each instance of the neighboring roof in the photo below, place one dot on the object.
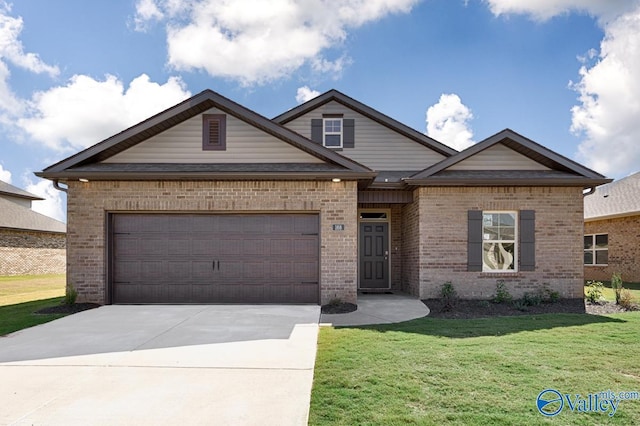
(564, 172)
(181, 112)
(617, 199)
(8, 189)
(15, 216)
(367, 111)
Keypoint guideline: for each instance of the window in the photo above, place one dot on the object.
(214, 132)
(332, 132)
(596, 249)
(499, 236)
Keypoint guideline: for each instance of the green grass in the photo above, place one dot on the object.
(22, 315)
(21, 296)
(25, 288)
(484, 372)
(609, 295)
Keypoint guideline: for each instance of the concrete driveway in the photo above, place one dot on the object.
(153, 365)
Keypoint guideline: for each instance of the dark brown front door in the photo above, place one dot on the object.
(194, 258)
(374, 255)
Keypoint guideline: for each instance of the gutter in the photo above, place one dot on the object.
(56, 185)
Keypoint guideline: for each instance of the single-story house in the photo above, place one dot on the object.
(30, 243)
(612, 231)
(211, 202)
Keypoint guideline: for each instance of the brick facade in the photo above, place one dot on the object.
(624, 248)
(436, 223)
(89, 203)
(32, 252)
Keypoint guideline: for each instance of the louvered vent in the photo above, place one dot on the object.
(214, 132)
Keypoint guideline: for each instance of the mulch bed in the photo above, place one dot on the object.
(467, 309)
(338, 308)
(68, 309)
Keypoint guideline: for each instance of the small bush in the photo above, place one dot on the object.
(484, 303)
(502, 294)
(616, 285)
(594, 291)
(448, 295)
(532, 299)
(627, 301)
(521, 305)
(548, 295)
(70, 296)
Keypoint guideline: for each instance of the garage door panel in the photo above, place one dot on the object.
(197, 258)
(253, 247)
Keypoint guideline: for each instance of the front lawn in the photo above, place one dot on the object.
(481, 371)
(21, 296)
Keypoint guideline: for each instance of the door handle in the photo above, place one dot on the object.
(218, 265)
(213, 265)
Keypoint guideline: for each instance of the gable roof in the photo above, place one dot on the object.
(563, 171)
(367, 111)
(14, 191)
(617, 199)
(15, 216)
(76, 165)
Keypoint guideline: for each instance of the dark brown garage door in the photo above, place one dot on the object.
(193, 258)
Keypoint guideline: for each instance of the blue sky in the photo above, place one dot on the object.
(560, 72)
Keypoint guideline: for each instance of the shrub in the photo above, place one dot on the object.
(548, 295)
(484, 303)
(616, 285)
(502, 294)
(594, 291)
(70, 296)
(448, 295)
(532, 299)
(627, 301)
(521, 305)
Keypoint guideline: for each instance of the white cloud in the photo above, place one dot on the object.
(448, 122)
(53, 204)
(257, 42)
(12, 53)
(546, 9)
(146, 10)
(5, 175)
(86, 111)
(609, 95)
(305, 94)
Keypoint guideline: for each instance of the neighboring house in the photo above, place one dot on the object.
(210, 202)
(612, 231)
(30, 243)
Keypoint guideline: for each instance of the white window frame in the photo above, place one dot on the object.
(325, 133)
(594, 249)
(515, 242)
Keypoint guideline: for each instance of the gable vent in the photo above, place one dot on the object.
(214, 132)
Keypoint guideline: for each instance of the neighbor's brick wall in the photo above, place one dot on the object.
(624, 248)
(88, 204)
(32, 252)
(443, 239)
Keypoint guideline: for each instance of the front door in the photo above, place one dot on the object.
(374, 255)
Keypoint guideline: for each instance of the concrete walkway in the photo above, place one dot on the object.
(162, 365)
(379, 309)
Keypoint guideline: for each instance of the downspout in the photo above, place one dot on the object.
(56, 185)
(589, 192)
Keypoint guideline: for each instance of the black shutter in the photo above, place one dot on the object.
(316, 130)
(527, 240)
(348, 135)
(474, 241)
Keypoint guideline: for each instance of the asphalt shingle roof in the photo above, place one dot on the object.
(619, 198)
(8, 189)
(15, 216)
